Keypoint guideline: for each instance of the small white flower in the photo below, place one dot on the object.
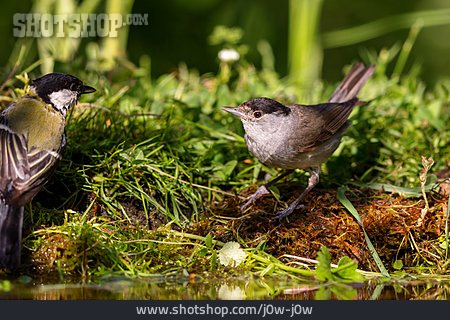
(231, 254)
(228, 55)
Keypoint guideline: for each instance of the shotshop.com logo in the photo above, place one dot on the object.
(45, 25)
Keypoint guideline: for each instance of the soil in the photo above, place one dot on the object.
(392, 222)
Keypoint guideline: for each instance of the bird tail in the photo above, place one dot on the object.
(11, 218)
(353, 83)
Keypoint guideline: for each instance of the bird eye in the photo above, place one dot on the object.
(257, 114)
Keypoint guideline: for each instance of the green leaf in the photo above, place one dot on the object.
(209, 241)
(324, 293)
(202, 252)
(344, 292)
(223, 172)
(229, 167)
(339, 290)
(398, 265)
(323, 270)
(346, 271)
(275, 192)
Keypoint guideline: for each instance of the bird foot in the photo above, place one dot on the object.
(288, 211)
(261, 192)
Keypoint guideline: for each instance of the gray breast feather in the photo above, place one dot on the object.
(289, 158)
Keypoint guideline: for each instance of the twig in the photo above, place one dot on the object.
(427, 164)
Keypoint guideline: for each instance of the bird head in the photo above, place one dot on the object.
(60, 90)
(260, 114)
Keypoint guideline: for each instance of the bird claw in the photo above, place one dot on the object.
(288, 211)
(262, 191)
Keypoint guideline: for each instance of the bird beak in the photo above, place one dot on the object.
(87, 89)
(234, 111)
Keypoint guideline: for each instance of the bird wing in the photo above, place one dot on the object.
(23, 172)
(335, 117)
(13, 159)
(318, 123)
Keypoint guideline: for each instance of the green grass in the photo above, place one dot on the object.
(148, 158)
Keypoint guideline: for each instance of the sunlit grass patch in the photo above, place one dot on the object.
(154, 166)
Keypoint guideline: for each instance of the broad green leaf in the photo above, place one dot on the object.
(323, 270)
(346, 271)
(324, 293)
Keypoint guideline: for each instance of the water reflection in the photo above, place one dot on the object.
(193, 289)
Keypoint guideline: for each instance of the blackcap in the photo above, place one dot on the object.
(299, 136)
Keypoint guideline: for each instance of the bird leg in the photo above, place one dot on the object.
(262, 191)
(312, 181)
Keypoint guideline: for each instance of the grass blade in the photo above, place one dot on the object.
(373, 29)
(349, 206)
(405, 192)
(305, 52)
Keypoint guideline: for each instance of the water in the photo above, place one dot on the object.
(195, 288)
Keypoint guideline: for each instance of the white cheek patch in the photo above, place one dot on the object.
(63, 99)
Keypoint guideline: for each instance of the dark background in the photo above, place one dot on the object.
(178, 31)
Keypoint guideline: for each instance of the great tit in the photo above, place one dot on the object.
(32, 137)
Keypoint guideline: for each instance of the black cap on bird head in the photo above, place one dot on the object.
(257, 107)
(266, 105)
(60, 89)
